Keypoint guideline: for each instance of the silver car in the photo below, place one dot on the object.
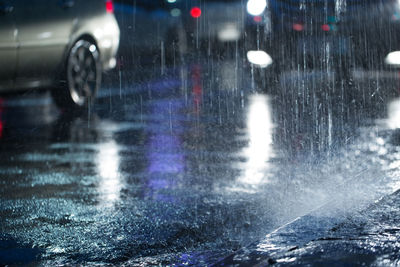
(60, 44)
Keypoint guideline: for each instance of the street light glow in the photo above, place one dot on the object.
(393, 58)
(256, 7)
(259, 58)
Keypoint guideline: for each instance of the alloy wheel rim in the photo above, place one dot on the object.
(82, 72)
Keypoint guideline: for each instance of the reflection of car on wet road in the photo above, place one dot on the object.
(62, 44)
(173, 28)
(337, 36)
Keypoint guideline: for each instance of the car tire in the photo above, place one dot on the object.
(81, 77)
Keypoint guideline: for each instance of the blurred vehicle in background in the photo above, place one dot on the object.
(173, 29)
(325, 35)
(64, 45)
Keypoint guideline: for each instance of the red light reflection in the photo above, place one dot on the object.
(325, 28)
(298, 27)
(257, 19)
(197, 89)
(109, 6)
(195, 12)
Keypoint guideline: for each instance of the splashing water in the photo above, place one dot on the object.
(340, 7)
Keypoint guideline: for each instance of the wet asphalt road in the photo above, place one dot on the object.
(185, 165)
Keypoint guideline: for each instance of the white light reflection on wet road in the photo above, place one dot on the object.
(259, 149)
(110, 183)
(393, 121)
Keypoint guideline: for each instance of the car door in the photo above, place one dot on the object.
(8, 46)
(44, 29)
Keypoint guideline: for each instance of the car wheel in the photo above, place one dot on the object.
(82, 77)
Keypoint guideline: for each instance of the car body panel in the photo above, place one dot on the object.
(37, 36)
(99, 25)
(105, 32)
(42, 39)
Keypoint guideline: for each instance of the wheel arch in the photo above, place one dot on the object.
(85, 36)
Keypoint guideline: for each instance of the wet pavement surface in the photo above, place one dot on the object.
(193, 165)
